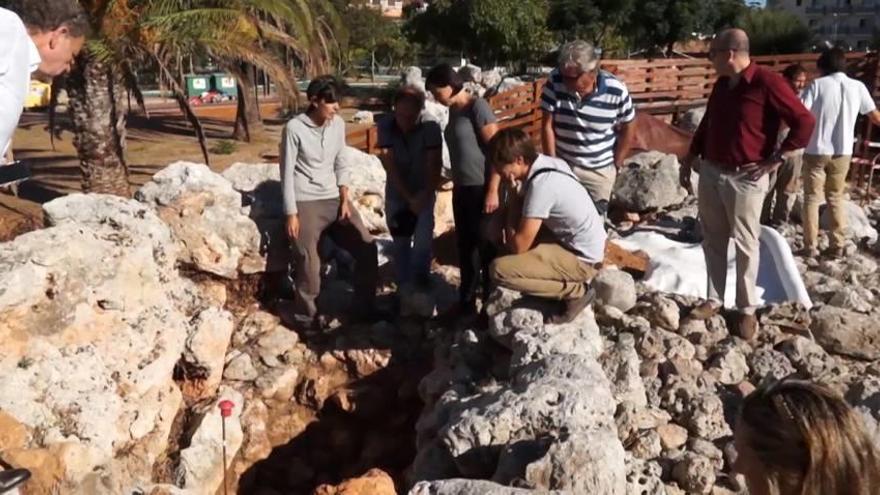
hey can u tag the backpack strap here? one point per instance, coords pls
(544, 171)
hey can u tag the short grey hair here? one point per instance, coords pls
(579, 53)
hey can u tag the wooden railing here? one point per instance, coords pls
(658, 86)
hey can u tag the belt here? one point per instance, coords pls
(726, 169)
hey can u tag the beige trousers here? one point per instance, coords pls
(730, 206)
(784, 185)
(547, 270)
(825, 175)
(599, 183)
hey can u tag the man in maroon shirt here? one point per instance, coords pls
(736, 145)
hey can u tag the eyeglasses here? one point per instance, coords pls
(715, 51)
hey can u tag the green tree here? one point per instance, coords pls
(591, 20)
(161, 34)
(373, 38)
(656, 25)
(492, 31)
(776, 32)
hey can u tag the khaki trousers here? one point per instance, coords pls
(825, 175)
(320, 217)
(548, 270)
(784, 185)
(730, 206)
(599, 182)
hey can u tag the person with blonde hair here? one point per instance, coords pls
(795, 437)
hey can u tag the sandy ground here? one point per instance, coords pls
(152, 144)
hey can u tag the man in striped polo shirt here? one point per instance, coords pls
(587, 119)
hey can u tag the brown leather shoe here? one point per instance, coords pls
(834, 253)
(746, 326)
(705, 310)
(572, 308)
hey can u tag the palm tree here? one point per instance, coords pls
(159, 33)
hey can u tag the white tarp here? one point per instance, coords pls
(680, 268)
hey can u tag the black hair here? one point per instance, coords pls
(324, 88)
(444, 75)
(831, 61)
(410, 94)
(49, 15)
(509, 144)
(792, 71)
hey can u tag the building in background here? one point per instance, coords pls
(853, 22)
(389, 8)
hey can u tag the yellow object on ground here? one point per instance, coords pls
(39, 95)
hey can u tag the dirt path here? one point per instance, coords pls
(151, 145)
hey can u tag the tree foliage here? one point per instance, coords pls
(776, 32)
(369, 36)
(489, 30)
(592, 20)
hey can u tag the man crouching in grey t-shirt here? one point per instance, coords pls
(554, 198)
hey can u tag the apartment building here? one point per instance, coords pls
(853, 22)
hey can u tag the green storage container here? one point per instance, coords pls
(224, 83)
(196, 84)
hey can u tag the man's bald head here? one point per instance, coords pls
(732, 39)
(729, 52)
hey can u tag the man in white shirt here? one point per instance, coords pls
(836, 101)
(42, 36)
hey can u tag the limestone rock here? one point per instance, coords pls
(240, 368)
(615, 288)
(845, 332)
(621, 365)
(471, 73)
(729, 366)
(805, 355)
(672, 436)
(206, 347)
(363, 117)
(491, 78)
(645, 445)
(412, 76)
(93, 320)
(201, 464)
(643, 477)
(253, 325)
(470, 487)
(373, 482)
(204, 213)
(695, 474)
(860, 301)
(648, 181)
(660, 311)
(858, 224)
(275, 344)
(691, 119)
(769, 363)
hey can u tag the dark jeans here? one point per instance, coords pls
(317, 218)
(475, 253)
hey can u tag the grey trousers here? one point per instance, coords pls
(317, 218)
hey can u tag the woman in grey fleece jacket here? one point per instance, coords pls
(315, 182)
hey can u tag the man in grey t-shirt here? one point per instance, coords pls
(554, 199)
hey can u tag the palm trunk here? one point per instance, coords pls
(97, 108)
(248, 121)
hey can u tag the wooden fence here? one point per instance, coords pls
(658, 86)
